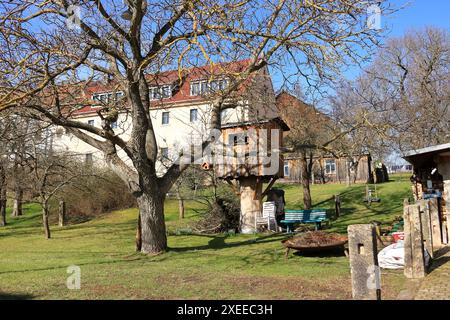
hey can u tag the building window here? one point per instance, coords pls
(195, 89)
(193, 115)
(165, 153)
(165, 118)
(236, 139)
(330, 166)
(108, 96)
(88, 159)
(161, 92)
(114, 125)
(166, 91)
(205, 86)
(119, 95)
(101, 97)
(223, 115)
(286, 168)
(91, 122)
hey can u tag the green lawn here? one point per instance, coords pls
(195, 267)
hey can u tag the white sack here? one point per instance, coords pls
(393, 256)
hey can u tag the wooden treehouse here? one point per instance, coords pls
(249, 155)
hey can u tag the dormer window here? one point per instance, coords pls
(201, 87)
(161, 92)
(106, 97)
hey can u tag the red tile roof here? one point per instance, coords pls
(180, 79)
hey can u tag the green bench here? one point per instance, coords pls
(293, 217)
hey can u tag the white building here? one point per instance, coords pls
(180, 108)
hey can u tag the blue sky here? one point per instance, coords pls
(415, 14)
(418, 14)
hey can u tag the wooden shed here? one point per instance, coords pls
(328, 169)
(431, 178)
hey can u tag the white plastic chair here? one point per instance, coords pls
(267, 217)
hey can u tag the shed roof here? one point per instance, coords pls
(441, 148)
(420, 157)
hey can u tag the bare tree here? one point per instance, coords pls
(125, 42)
(186, 186)
(406, 91)
(19, 133)
(50, 178)
(3, 180)
(51, 174)
(313, 134)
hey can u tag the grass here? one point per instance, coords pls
(195, 267)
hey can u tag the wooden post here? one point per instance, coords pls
(62, 213)
(362, 245)
(337, 205)
(407, 270)
(418, 248)
(139, 234)
(426, 226)
(446, 199)
(414, 248)
(435, 223)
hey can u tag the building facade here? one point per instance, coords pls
(330, 169)
(181, 108)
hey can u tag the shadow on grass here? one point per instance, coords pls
(439, 263)
(441, 259)
(332, 253)
(218, 242)
(24, 221)
(12, 296)
(130, 258)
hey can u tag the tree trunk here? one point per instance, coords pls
(348, 175)
(139, 234)
(153, 227)
(3, 212)
(2, 200)
(151, 235)
(322, 171)
(45, 220)
(62, 213)
(307, 203)
(2, 196)
(17, 206)
(250, 194)
(180, 206)
(355, 171)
